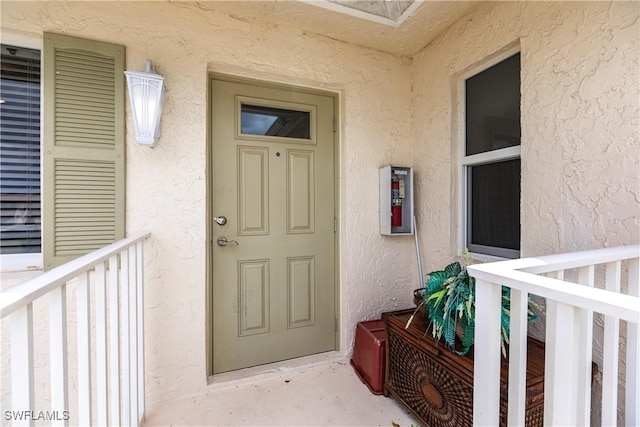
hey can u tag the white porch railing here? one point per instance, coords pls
(110, 371)
(568, 346)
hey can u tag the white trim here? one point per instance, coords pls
(492, 156)
(20, 262)
(459, 173)
(489, 61)
(408, 12)
(479, 258)
(356, 13)
(494, 252)
(28, 42)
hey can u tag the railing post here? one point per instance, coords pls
(486, 377)
(586, 276)
(133, 338)
(101, 344)
(126, 330)
(84, 350)
(22, 396)
(610, 352)
(58, 353)
(114, 342)
(517, 357)
(562, 365)
(632, 386)
(140, 311)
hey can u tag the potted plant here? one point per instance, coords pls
(449, 300)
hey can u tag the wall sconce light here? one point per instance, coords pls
(146, 93)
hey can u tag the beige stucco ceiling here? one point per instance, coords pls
(359, 23)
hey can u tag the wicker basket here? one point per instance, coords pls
(437, 385)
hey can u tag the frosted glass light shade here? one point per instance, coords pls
(146, 93)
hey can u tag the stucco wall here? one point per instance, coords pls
(580, 123)
(166, 186)
(580, 114)
(580, 138)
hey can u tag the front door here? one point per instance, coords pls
(274, 224)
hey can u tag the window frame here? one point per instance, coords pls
(488, 253)
(283, 105)
(27, 261)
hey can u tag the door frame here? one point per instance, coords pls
(209, 200)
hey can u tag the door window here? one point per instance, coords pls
(275, 120)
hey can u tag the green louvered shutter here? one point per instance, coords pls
(84, 153)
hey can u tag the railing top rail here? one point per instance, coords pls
(28, 291)
(521, 274)
(549, 263)
(622, 306)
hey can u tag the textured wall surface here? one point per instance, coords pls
(580, 139)
(580, 123)
(166, 185)
(580, 126)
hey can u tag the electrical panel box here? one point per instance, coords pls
(396, 200)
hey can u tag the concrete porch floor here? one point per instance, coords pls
(319, 394)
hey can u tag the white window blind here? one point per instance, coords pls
(20, 223)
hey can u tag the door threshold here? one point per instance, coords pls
(271, 370)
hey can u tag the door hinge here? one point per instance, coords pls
(335, 225)
(335, 324)
(335, 124)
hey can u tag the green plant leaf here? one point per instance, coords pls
(437, 296)
(453, 269)
(449, 298)
(450, 332)
(435, 281)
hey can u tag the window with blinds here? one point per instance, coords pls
(20, 224)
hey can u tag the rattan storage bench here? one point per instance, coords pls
(437, 385)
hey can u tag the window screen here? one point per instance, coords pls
(19, 150)
(495, 209)
(493, 107)
(492, 113)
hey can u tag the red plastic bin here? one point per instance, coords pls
(369, 354)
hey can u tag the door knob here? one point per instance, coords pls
(223, 241)
(221, 220)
